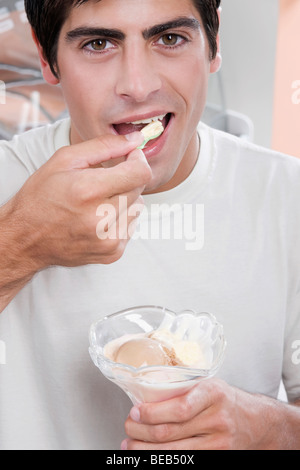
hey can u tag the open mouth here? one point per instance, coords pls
(129, 127)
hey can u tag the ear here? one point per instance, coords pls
(46, 69)
(216, 63)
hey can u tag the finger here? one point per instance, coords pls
(119, 221)
(98, 150)
(127, 222)
(122, 207)
(178, 409)
(167, 432)
(184, 444)
(101, 184)
(123, 202)
(129, 175)
(205, 442)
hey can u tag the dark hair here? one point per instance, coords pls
(48, 16)
(208, 12)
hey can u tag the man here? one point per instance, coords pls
(121, 63)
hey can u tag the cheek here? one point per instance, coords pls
(77, 83)
(198, 87)
(77, 92)
(191, 82)
(84, 97)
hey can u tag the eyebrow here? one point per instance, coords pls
(83, 31)
(180, 22)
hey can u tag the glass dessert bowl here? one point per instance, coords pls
(154, 354)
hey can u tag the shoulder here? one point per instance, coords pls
(252, 159)
(34, 147)
(26, 153)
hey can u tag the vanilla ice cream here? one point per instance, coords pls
(154, 354)
(158, 348)
(152, 130)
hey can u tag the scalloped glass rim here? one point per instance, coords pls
(100, 359)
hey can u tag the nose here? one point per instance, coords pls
(138, 77)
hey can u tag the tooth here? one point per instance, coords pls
(143, 121)
(148, 121)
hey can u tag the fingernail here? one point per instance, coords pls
(124, 445)
(134, 137)
(135, 414)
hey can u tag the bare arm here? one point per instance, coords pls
(53, 219)
(17, 267)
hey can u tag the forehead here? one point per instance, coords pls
(133, 13)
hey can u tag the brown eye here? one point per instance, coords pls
(99, 44)
(170, 39)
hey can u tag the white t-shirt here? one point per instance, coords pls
(242, 266)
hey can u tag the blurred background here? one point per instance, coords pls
(25, 100)
(255, 96)
(260, 75)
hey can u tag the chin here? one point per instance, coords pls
(156, 186)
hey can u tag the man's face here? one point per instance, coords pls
(122, 62)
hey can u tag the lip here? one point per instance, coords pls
(140, 117)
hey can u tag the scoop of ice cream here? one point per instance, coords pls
(142, 352)
(158, 348)
(186, 352)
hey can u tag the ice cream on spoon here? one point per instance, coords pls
(151, 132)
